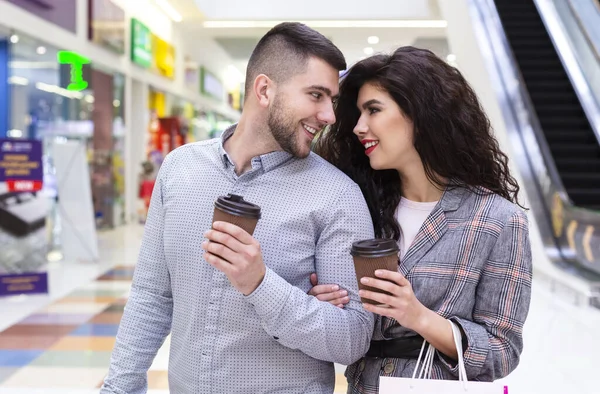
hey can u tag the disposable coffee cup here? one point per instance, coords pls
(369, 256)
(235, 210)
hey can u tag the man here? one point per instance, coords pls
(243, 322)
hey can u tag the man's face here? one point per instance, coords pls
(303, 106)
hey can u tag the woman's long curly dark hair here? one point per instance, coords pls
(452, 134)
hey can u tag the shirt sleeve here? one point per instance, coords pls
(495, 336)
(300, 321)
(147, 316)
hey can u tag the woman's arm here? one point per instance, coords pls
(495, 334)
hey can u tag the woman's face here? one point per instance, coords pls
(384, 130)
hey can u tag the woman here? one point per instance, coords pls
(411, 132)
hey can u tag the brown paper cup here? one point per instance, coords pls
(248, 224)
(366, 267)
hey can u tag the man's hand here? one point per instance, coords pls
(237, 254)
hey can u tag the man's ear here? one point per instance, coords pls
(263, 90)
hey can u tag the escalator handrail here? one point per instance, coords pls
(588, 99)
(587, 16)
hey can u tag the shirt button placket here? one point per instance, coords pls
(210, 326)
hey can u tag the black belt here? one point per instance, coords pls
(408, 347)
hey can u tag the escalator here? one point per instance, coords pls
(570, 138)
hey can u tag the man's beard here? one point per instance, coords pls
(284, 130)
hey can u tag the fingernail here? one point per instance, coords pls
(346, 299)
(335, 287)
(344, 293)
(379, 272)
(361, 293)
(364, 280)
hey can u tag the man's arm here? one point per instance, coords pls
(300, 321)
(146, 320)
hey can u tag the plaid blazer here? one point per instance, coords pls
(470, 263)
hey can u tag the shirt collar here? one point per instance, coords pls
(267, 161)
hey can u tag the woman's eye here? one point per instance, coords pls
(373, 110)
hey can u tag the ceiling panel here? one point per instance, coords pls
(316, 9)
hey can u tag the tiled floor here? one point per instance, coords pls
(74, 336)
(61, 343)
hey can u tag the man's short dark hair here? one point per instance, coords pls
(285, 50)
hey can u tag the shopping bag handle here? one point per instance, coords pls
(426, 366)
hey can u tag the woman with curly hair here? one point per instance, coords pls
(412, 134)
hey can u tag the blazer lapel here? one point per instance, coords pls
(434, 227)
(431, 231)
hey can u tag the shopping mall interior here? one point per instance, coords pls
(101, 91)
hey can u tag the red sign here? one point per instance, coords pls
(23, 186)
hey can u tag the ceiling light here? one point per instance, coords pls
(116, 103)
(32, 65)
(368, 51)
(373, 40)
(14, 80)
(451, 58)
(169, 10)
(14, 38)
(89, 99)
(41, 50)
(14, 133)
(331, 24)
(58, 90)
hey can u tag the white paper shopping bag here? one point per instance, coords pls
(421, 384)
(389, 385)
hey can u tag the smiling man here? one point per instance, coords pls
(236, 304)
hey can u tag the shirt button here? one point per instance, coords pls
(389, 368)
(361, 366)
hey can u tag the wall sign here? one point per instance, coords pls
(141, 44)
(76, 61)
(210, 85)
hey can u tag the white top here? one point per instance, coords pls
(411, 215)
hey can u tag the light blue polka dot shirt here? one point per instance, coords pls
(276, 340)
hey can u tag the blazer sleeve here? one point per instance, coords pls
(494, 337)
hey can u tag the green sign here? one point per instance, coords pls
(141, 44)
(210, 85)
(76, 61)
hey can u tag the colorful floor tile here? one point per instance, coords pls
(107, 318)
(18, 358)
(97, 344)
(39, 330)
(74, 337)
(6, 372)
(115, 308)
(73, 359)
(77, 308)
(27, 342)
(58, 319)
(100, 330)
(42, 377)
(158, 379)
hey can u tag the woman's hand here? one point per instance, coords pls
(328, 293)
(402, 305)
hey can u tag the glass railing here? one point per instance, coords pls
(574, 27)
